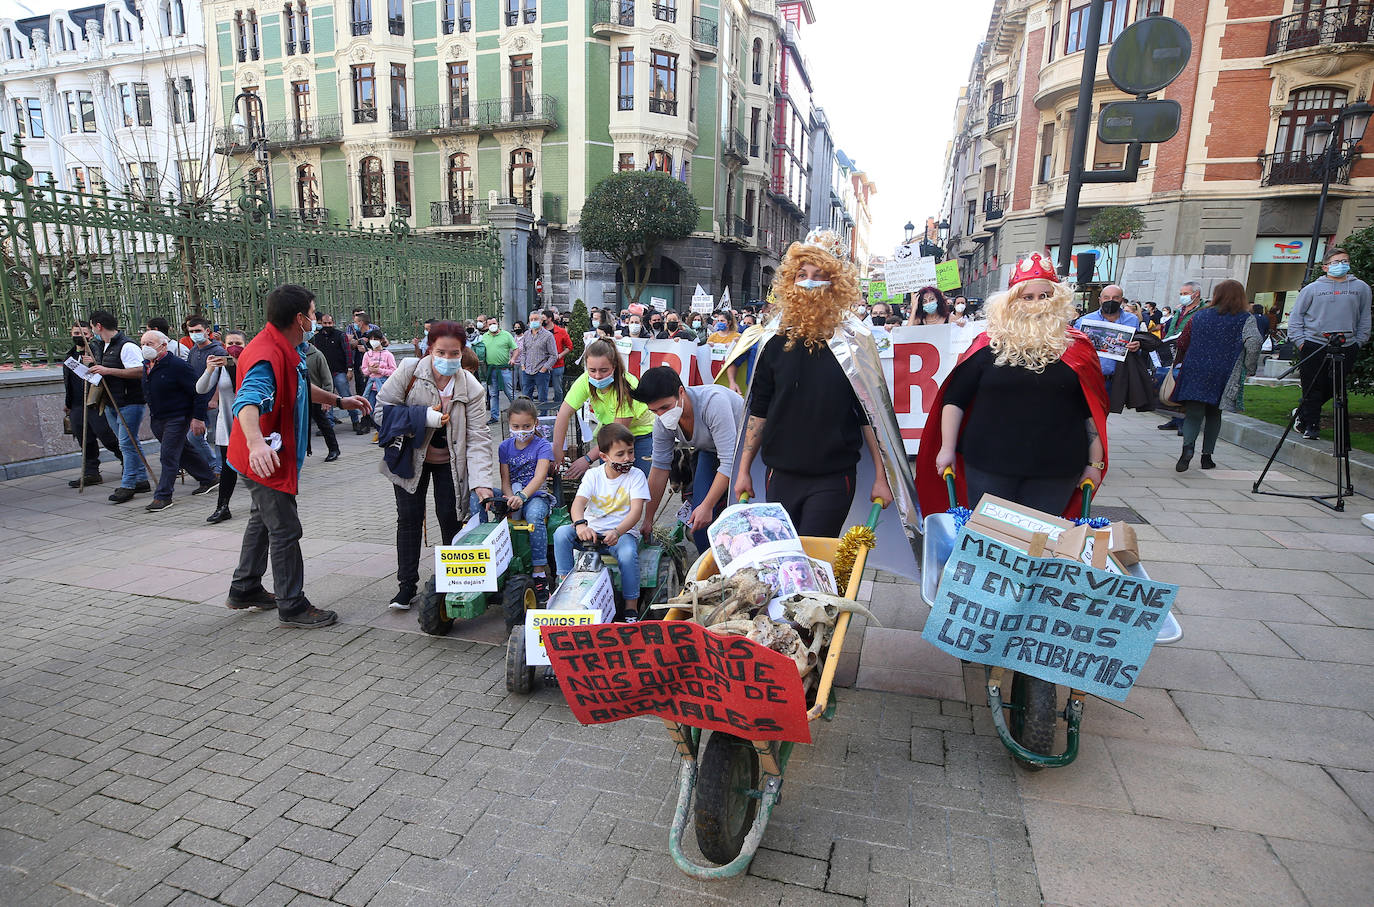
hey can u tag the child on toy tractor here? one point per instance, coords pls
(609, 504)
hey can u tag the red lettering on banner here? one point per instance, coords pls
(672, 360)
(923, 377)
(635, 359)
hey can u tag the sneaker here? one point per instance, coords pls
(1311, 434)
(1167, 426)
(309, 619)
(90, 480)
(142, 487)
(399, 605)
(631, 617)
(541, 586)
(493, 420)
(121, 495)
(159, 504)
(261, 599)
(206, 487)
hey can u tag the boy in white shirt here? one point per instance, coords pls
(609, 503)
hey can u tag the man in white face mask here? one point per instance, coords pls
(708, 419)
(169, 385)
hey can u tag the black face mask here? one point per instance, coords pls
(1111, 306)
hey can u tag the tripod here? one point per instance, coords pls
(1333, 350)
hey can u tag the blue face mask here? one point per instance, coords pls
(447, 366)
(1339, 269)
(601, 383)
(930, 307)
(813, 284)
(721, 325)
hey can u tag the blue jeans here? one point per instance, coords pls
(556, 383)
(535, 512)
(703, 476)
(535, 381)
(201, 445)
(343, 390)
(374, 384)
(500, 379)
(134, 472)
(177, 454)
(626, 553)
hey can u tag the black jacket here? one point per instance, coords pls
(73, 387)
(170, 387)
(1133, 385)
(125, 391)
(334, 345)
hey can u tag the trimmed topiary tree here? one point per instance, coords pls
(630, 215)
(579, 323)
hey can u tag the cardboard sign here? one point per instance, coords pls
(682, 672)
(1109, 337)
(1062, 621)
(659, 303)
(878, 292)
(535, 618)
(586, 591)
(908, 272)
(476, 563)
(947, 276)
(704, 303)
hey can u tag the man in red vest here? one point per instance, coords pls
(271, 415)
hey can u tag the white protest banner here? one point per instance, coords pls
(477, 562)
(1109, 337)
(703, 301)
(908, 272)
(536, 618)
(725, 298)
(659, 303)
(922, 358)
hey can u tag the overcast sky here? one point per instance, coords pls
(888, 73)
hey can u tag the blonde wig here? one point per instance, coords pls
(811, 316)
(1030, 335)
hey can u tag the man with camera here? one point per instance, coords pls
(1332, 315)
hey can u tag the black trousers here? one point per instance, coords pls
(1317, 389)
(228, 478)
(274, 529)
(325, 426)
(97, 434)
(410, 522)
(1048, 494)
(818, 505)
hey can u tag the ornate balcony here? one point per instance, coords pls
(1003, 113)
(325, 130)
(663, 106)
(362, 27)
(733, 144)
(612, 17)
(521, 110)
(315, 215)
(994, 207)
(454, 213)
(1294, 168)
(1317, 29)
(704, 36)
(665, 13)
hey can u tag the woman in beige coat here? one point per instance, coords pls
(453, 451)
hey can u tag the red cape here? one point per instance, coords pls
(1081, 356)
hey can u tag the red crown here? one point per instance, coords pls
(1033, 268)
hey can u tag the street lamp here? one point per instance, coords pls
(253, 125)
(1329, 156)
(910, 230)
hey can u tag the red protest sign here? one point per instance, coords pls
(682, 672)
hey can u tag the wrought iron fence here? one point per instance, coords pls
(67, 253)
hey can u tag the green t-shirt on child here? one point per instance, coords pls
(604, 405)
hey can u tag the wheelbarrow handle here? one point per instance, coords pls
(874, 513)
(948, 473)
(1087, 487)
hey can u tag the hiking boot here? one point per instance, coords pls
(142, 487)
(159, 504)
(1184, 459)
(90, 480)
(261, 599)
(309, 619)
(206, 487)
(1208, 462)
(122, 495)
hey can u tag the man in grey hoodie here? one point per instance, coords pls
(1335, 304)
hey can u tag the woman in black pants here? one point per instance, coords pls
(220, 373)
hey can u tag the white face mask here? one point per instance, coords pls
(493, 328)
(523, 434)
(813, 284)
(634, 328)
(670, 419)
(149, 353)
(959, 307)
(375, 344)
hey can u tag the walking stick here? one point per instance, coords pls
(85, 433)
(132, 437)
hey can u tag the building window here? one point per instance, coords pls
(372, 187)
(253, 128)
(971, 217)
(300, 107)
(625, 97)
(460, 180)
(522, 177)
(464, 15)
(757, 62)
(518, 11)
(240, 35)
(401, 176)
(143, 179)
(364, 93)
(665, 10)
(749, 202)
(307, 192)
(627, 161)
(173, 18)
(304, 15)
(399, 113)
(362, 17)
(1149, 8)
(289, 31)
(179, 91)
(143, 104)
(663, 83)
(692, 96)
(254, 39)
(396, 17)
(458, 93)
(754, 132)
(30, 118)
(1068, 137)
(189, 179)
(1046, 153)
(1305, 108)
(522, 85)
(1107, 157)
(661, 161)
(1076, 31)
(450, 16)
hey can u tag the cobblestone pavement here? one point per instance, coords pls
(158, 748)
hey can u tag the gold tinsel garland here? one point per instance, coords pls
(847, 551)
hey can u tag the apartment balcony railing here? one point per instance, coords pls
(447, 25)
(704, 35)
(1352, 23)
(314, 215)
(364, 114)
(663, 106)
(322, 130)
(1294, 168)
(454, 213)
(478, 116)
(396, 25)
(515, 16)
(665, 13)
(625, 102)
(734, 144)
(362, 27)
(1003, 113)
(612, 15)
(994, 206)
(743, 229)
(241, 54)
(434, 118)
(372, 210)
(520, 110)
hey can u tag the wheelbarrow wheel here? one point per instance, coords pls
(433, 618)
(1032, 721)
(728, 772)
(519, 675)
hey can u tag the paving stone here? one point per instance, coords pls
(314, 877)
(1339, 738)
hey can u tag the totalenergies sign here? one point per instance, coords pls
(1284, 249)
